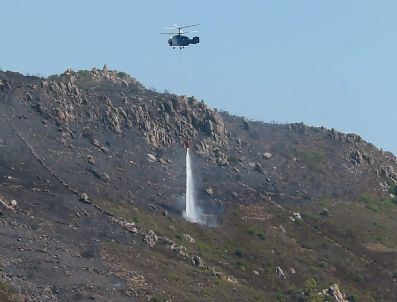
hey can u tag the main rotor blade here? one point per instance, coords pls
(189, 26)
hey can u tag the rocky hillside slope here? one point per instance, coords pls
(92, 183)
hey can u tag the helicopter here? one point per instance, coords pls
(180, 40)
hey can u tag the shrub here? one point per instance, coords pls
(242, 264)
(122, 74)
(310, 285)
(261, 236)
(313, 159)
(233, 159)
(351, 299)
(281, 298)
(90, 252)
(83, 73)
(392, 187)
(366, 199)
(324, 264)
(324, 212)
(251, 231)
(254, 232)
(238, 253)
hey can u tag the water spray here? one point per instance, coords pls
(191, 210)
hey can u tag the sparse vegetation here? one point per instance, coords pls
(233, 159)
(314, 160)
(83, 73)
(122, 74)
(255, 232)
(8, 293)
(351, 299)
(392, 187)
(367, 199)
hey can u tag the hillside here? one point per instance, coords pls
(92, 168)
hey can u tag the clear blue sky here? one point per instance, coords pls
(330, 63)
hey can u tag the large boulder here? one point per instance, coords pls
(150, 238)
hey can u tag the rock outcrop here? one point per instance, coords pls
(70, 99)
(334, 292)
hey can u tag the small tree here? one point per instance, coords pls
(311, 291)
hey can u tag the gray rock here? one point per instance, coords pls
(266, 155)
(91, 160)
(221, 158)
(209, 191)
(335, 292)
(180, 250)
(280, 274)
(162, 161)
(105, 177)
(152, 207)
(196, 260)
(124, 84)
(130, 226)
(258, 167)
(13, 203)
(150, 238)
(296, 215)
(84, 198)
(188, 238)
(151, 158)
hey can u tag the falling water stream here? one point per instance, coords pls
(191, 210)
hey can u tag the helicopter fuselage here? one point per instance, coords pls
(181, 41)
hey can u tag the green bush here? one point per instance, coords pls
(392, 187)
(122, 74)
(83, 73)
(281, 298)
(367, 199)
(310, 286)
(351, 299)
